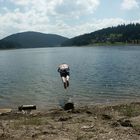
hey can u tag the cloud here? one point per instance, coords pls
(45, 16)
(77, 8)
(129, 4)
(64, 17)
(18, 22)
(60, 7)
(30, 21)
(96, 24)
(90, 26)
(21, 2)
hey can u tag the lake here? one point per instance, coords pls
(97, 75)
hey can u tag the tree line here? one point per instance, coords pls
(125, 34)
(8, 44)
(121, 34)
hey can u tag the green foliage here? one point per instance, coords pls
(8, 44)
(31, 40)
(131, 110)
(36, 121)
(123, 34)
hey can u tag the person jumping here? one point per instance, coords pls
(64, 69)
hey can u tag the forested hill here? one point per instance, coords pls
(122, 34)
(31, 40)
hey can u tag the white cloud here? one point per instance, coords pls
(63, 17)
(18, 21)
(42, 5)
(93, 25)
(45, 16)
(30, 21)
(96, 24)
(60, 7)
(129, 4)
(21, 2)
(77, 8)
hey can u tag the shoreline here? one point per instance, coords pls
(77, 104)
(115, 121)
(89, 45)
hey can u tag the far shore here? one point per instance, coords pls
(89, 45)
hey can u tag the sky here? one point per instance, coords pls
(68, 18)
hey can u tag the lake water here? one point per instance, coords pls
(98, 75)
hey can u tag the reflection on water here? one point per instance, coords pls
(98, 74)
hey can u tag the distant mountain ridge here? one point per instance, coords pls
(31, 40)
(122, 34)
(119, 35)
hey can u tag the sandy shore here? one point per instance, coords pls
(98, 122)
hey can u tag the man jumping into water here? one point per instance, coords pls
(64, 69)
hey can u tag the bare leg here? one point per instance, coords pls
(64, 82)
(67, 80)
(65, 85)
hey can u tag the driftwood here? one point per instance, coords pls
(27, 108)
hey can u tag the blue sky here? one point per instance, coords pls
(65, 17)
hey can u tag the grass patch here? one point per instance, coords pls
(131, 110)
(36, 121)
(137, 128)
